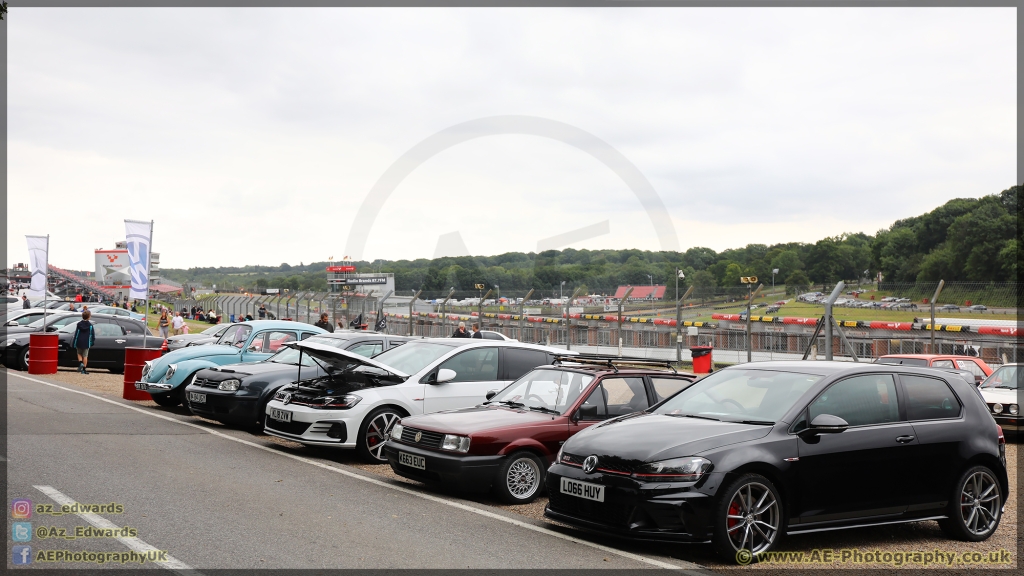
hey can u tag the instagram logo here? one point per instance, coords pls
(21, 508)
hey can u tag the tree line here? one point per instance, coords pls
(968, 239)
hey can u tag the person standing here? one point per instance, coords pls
(324, 323)
(178, 323)
(84, 338)
(24, 302)
(78, 297)
(461, 332)
(164, 323)
(262, 313)
(476, 331)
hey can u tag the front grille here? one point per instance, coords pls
(206, 382)
(294, 428)
(608, 465)
(609, 513)
(427, 440)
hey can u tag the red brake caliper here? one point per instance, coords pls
(734, 510)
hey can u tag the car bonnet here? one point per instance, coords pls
(341, 359)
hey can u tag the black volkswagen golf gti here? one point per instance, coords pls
(756, 451)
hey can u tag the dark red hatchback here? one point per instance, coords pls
(507, 443)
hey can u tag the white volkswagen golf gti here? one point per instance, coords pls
(359, 400)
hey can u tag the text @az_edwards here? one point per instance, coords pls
(83, 532)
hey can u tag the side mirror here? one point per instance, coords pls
(51, 328)
(587, 413)
(12, 323)
(490, 394)
(827, 424)
(445, 375)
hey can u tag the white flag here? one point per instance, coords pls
(37, 263)
(138, 236)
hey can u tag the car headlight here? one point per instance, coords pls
(396, 432)
(688, 469)
(229, 385)
(170, 370)
(340, 402)
(455, 443)
(1014, 409)
(146, 369)
(997, 408)
(558, 457)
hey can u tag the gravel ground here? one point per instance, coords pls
(922, 536)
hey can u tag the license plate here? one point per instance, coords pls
(280, 415)
(197, 398)
(585, 490)
(141, 386)
(412, 461)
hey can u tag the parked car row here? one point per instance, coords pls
(738, 458)
(112, 335)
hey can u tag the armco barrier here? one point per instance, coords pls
(42, 353)
(134, 360)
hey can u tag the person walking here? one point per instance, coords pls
(461, 332)
(476, 331)
(164, 323)
(84, 338)
(262, 313)
(24, 302)
(324, 323)
(177, 323)
(78, 297)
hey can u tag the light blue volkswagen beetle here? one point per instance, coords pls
(167, 377)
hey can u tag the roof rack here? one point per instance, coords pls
(611, 361)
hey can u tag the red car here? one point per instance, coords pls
(507, 443)
(975, 366)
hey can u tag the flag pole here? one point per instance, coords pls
(45, 274)
(149, 266)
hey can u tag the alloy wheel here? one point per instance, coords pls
(979, 503)
(377, 433)
(523, 478)
(752, 521)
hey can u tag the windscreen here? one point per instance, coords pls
(738, 395)
(552, 389)
(413, 357)
(1006, 378)
(235, 335)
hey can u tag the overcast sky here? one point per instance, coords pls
(252, 136)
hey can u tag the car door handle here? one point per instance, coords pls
(120, 341)
(904, 439)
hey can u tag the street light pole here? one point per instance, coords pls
(774, 272)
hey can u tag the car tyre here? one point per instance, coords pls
(520, 479)
(374, 432)
(23, 359)
(261, 415)
(168, 400)
(748, 519)
(975, 507)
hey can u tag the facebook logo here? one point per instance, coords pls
(21, 555)
(21, 531)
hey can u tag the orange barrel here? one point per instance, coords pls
(42, 353)
(134, 360)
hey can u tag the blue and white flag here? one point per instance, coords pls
(38, 246)
(138, 237)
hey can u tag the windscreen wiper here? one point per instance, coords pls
(694, 416)
(544, 409)
(756, 422)
(511, 403)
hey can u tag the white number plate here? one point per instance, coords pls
(281, 415)
(197, 398)
(579, 489)
(141, 386)
(412, 461)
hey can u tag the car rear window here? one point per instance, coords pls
(929, 398)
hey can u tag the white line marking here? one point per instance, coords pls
(98, 521)
(459, 505)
